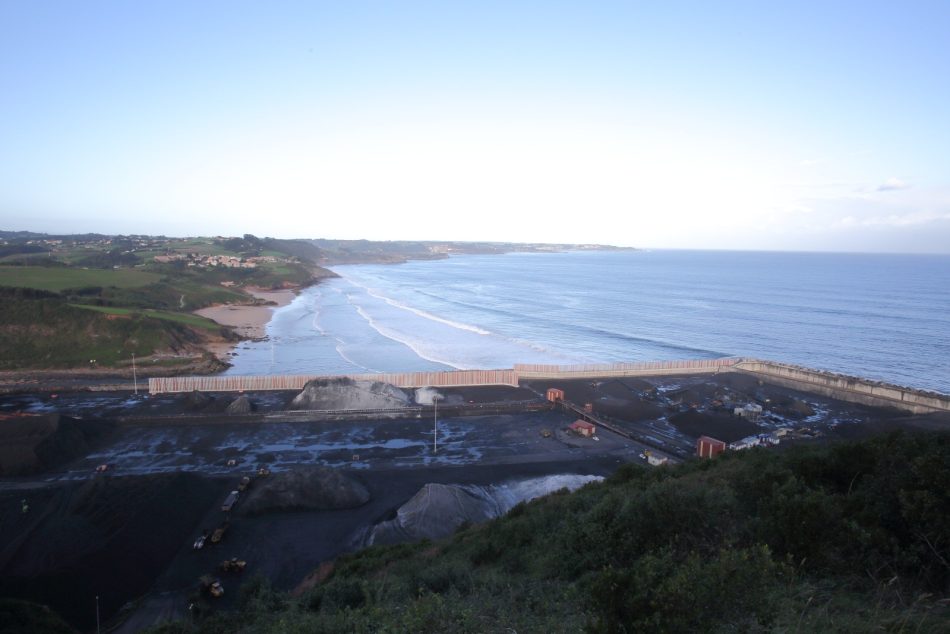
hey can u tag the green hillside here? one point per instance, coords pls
(49, 333)
(849, 538)
(144, 289)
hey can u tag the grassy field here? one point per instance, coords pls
(60, 278)
(182, 318)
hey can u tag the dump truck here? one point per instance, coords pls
(219, 532)
(211, 586)
(200, 542)
(230, 501)
(233, 565)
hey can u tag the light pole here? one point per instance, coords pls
(135, 380)
(435, 424)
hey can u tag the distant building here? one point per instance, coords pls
(707, 447)
(583, 428)
(554, 395)
(746, 443)
(751, 412)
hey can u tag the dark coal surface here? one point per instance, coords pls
(310, 488)
(106, 536)
(33, 444)
(721, 426)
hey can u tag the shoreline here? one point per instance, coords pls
(248, 320)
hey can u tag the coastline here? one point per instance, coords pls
(247, 320)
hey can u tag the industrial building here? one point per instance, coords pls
(708, 447)
(582, 428)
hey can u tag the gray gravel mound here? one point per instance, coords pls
(240, 405)
(436, 511)
(345, 393)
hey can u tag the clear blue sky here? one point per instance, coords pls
(817, 125)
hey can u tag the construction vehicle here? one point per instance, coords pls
(200, 542)
(245, 482)
(102, 468)
(545, 433)
(230, 501)
(219, 532)
(263, 471)
(211, 586)
(233, 565)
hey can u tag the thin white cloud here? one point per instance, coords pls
(892, 184)
(894, 220)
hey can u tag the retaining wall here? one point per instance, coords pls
(846, 388)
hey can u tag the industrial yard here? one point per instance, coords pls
(120, 514)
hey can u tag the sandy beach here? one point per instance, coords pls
(247, 320)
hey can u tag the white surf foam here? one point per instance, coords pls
(377, 294)
(406, 341)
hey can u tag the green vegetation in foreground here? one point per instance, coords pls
(18, 616)
(846, 538)
(183, 318)
(61, 278)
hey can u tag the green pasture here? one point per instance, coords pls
(195, 321)
(60, 278)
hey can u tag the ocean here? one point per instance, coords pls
(883, 317)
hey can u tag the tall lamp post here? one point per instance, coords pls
(135, 380)
(435, 424)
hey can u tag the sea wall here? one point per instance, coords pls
(845, 388)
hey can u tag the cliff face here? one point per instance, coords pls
(344, 393)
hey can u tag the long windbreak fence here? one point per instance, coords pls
(452, 378)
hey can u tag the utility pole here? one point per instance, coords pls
(435, 425)
(97, 614)
(135, 380)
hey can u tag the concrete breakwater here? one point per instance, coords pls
(846, 388)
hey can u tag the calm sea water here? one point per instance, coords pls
(878, 316)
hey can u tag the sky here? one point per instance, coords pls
(720, 125)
